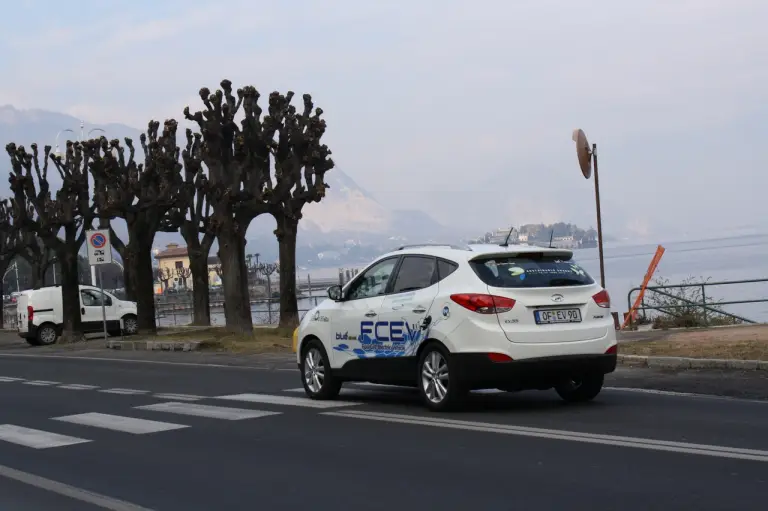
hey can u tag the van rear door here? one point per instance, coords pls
(21, 313)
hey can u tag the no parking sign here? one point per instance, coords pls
(99, 247)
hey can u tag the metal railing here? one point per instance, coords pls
(704, 305)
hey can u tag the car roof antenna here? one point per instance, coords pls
(551, 234)
(506, 240)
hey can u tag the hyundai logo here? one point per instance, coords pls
(557, 298)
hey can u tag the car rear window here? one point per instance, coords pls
(530, 271)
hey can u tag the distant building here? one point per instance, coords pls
(564, 242)
(175, 258)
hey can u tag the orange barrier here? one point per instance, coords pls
(632, 314)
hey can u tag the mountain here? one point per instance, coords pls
(348, 225)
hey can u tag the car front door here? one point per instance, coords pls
(353, 323)
(406, 308)
(90, 308)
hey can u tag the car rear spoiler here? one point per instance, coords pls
(565, 255)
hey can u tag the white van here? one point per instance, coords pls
(41, 320)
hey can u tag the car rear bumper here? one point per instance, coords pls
(31, 332)
(477, 371)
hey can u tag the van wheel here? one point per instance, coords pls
(316, 374)
(580, 389)
(439, 386)
(46, 335)
(130, 325)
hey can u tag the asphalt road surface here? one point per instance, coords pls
(89, 434)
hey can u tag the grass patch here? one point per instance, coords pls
(744, 349)
(218, 339)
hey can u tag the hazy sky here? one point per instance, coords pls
(461, 108)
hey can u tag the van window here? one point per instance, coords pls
(534, 270)
(93, 298)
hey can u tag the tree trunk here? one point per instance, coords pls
(37, 273)
(198, 263)
(143, 284)
(237, 310)
(286, 237)
(70, 294)
(3, 268)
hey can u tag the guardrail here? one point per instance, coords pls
(704, 305)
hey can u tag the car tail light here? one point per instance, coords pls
(484, 304)
(30, 313)
(613, 350)
(602, 299)
(499, 357)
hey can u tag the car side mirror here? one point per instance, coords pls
(334, 293)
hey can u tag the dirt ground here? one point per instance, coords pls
(739, 342)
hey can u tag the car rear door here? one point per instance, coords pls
(556, 300)
(405, 313)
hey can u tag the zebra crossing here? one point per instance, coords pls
(171, 412)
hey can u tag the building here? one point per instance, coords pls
(174, 263)
(564, 242)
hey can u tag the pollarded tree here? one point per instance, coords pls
(192, 219)
(301, 161)
(142, 194)
(10, 242)
(38, 255)
(237, 161)
(69, 214)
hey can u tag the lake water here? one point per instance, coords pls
(738, 258)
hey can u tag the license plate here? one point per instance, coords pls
(557, 316)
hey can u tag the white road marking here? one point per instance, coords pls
(140, 361)
(554, 434)
(119, 423)
(36, 438)
(683, 394)
(212, 412)
(126, 392)
(286, 400)
(8, 379)
(77, 386)
(66, 490)
(178, 397)
(41, 383)
(299, 390)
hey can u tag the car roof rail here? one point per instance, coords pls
(448, 245)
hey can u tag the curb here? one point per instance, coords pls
(691, 363)
(154, 345)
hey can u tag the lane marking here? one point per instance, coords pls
(286, 400)
(66, 490)
(119, 423)
(554, 434)
(139, 361)
(671, 393)
(211, 412)
(36, 438)
(126, 392)
(77, 386)
(41, 383)
(179, 397)
(8, 379)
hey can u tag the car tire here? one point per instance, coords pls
(130, 324)
(438, 382)
(316, 374)
(580, 389)
(47, 335)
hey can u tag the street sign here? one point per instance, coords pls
(99, 247)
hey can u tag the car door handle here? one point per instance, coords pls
(419, 310)
(370, 314)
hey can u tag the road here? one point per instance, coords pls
(89, 434)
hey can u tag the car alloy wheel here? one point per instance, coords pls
(314, 370)
(435, 377)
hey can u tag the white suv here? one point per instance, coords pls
(450, 319)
